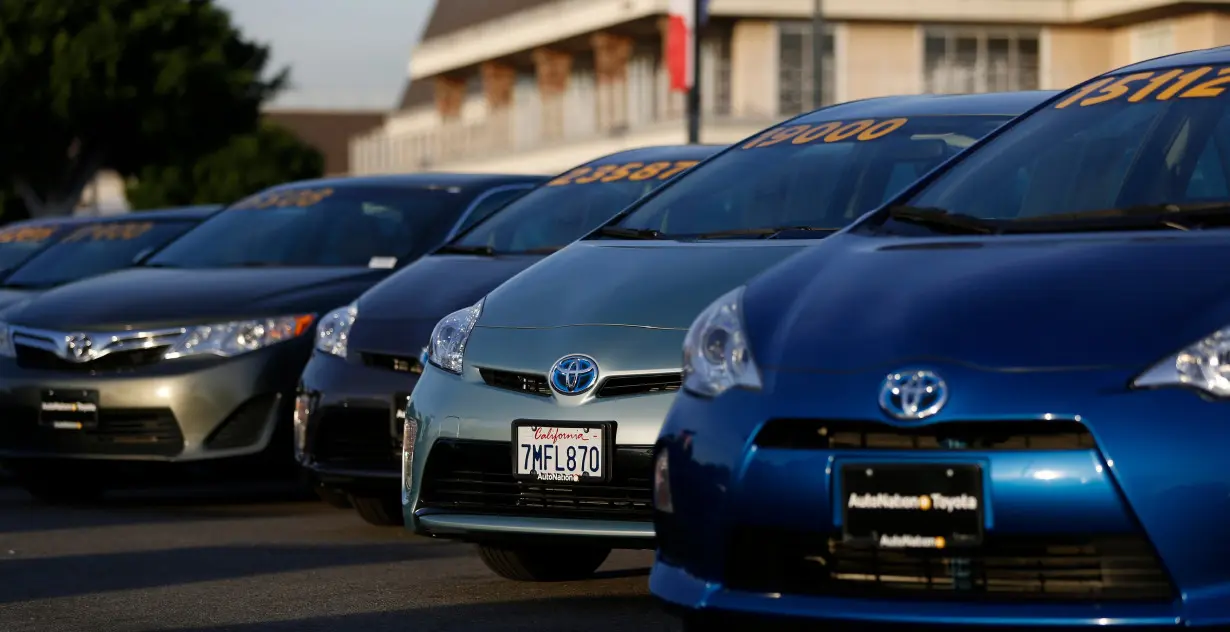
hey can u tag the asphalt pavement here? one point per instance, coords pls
(247, 560)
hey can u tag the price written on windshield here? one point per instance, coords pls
(1204, 82)
(26, 234)
(301, 198)
(830, 132)
(110, 232)
(631, 171)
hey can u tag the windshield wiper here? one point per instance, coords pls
(1177, 216)
(485, 251)
(156, 265)
(545, 250)
(764, 233)
(943, 221)
(631, 233)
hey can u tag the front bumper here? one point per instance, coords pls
(461, 483)
(351, 436)
(1103, 506)
(188, 410)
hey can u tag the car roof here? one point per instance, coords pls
(465, 181)
(989, 103)
(1218, 55)
(698, 151)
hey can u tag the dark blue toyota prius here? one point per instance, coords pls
(998, 400)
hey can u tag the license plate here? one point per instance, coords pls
(69, 409)
(551, 451)
(400, 401)
(921, 506)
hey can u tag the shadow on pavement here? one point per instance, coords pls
(47, 578)
(559, 614)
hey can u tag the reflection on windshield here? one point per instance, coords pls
(1143, 149)
(805, 175)
(96, 248)
(18, 243)
(567, 207)
(339, 226)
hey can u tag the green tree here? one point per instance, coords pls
(119, 84)
(251, 162)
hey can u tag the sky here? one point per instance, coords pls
(342, 54)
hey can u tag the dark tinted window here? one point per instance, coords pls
(19, 243)
(94, 249)
(344, 226)
(571, 205)
(490, 203)
(821, 175)
(1142, 139)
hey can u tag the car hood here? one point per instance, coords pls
(638, 283)
(1042, 302)
(11, 296)
(154, 297)
(396, 316)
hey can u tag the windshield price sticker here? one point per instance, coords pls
(631, 171)
(301, 198)
(110, 232)
(1205, 82)
(830, 132)
(26, 234)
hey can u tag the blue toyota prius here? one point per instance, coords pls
(999, 400)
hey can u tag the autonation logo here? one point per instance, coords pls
(912, 542)
(925, 502)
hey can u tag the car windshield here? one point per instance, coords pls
(567, 207)
(819, 175)
(342, 226)
(1141, 150)
(19, 243)
(96, 248)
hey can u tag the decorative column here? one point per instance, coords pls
(552, 69)
(499, 81)
(611, 55)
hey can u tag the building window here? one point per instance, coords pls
(795, 74)
(1152, 40)
(980, 60)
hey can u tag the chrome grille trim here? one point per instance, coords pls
(103, 343)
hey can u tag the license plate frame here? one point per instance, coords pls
(945, 528)
(54, 411)
(607, 449)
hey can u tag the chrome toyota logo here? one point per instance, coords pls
(912, 395)
(78, 347)
(574, 374)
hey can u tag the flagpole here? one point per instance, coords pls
(694, 90)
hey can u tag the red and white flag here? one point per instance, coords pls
(681, 28)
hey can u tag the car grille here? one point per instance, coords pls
(613, 386)
(464, 475)
(41, 359)
(361, 438)
(401, 364)
(146, 432)
(815, 434)
(1008, 568)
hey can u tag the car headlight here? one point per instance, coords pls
(447, 346)
(6, 342)
(716, 356)
(333, 332)
(238, 337)
(1204, 366)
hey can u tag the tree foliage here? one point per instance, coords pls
(119, 84)
(251, 162)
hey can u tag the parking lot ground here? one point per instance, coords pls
(246, 560)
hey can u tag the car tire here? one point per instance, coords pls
(542, 564)
(382, 511)
(333, 498)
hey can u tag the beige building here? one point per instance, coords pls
(540, 85)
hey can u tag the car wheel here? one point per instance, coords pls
(333, 498)
(382, 511)
(542, 564)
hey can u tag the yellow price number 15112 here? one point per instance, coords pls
(1205, 82)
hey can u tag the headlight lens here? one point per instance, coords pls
(447, 347)
(6, 342)
(238, 337)
(1204, 365)
(716, 356)
(333, 332)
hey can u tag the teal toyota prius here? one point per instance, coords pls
(530, 431)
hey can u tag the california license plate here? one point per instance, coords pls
(561, 452)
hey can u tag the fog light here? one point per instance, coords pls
(409, 433)
(662, 483)
(303, 408)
